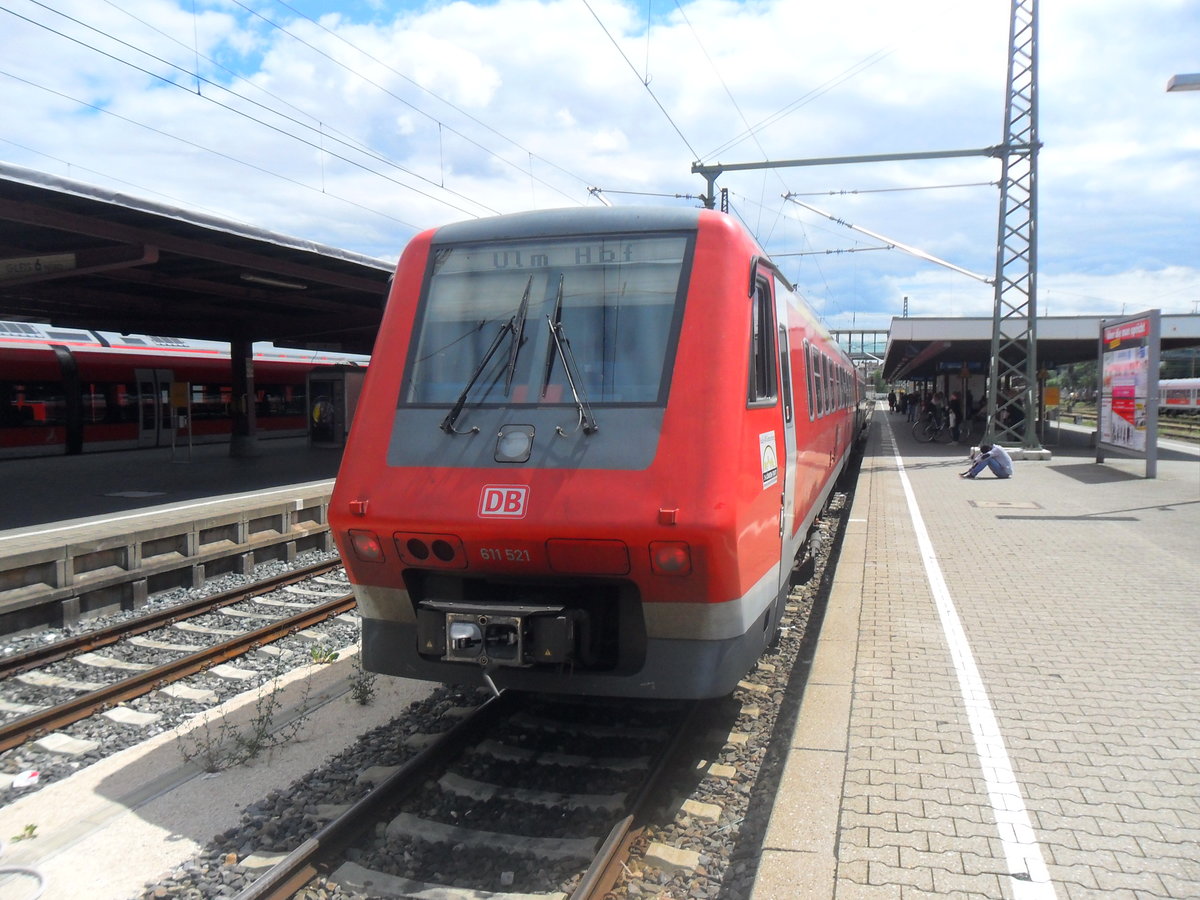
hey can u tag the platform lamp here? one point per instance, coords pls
(1184, 83)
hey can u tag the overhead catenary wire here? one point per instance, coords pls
(193, 144)
(802, 100)
(833, 252)
(416, 84)
(920, 254)
(645, 82)
(856, 191)
(316, 145)
(322, 131)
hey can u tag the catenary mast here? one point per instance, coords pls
(1013, 369)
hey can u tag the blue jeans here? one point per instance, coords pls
(987, 462)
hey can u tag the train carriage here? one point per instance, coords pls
(589, 448)
(1179, 395)
(73, 390)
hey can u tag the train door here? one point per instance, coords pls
(154, 406)
(787, 466)
(72, 400)
(332, 398)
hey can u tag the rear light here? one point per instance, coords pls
(670, 558)
(431, 551)
(367, 546)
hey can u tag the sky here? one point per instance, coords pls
(358, 124)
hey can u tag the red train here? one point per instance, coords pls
(71, 390)
(589, 448)
(1177, 396)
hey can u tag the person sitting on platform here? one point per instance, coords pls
(990, 456)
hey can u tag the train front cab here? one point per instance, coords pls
(717, 470)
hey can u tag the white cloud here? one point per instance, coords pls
(397, 116)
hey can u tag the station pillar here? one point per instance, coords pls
(243, 441)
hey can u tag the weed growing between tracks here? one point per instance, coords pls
(362, 684)
(228, 744)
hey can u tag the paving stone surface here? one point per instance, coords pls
(1076, 589)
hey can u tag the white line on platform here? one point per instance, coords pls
(90, 523)
(1028, 875)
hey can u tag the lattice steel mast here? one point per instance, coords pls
(1013, 370)
(1012, 389)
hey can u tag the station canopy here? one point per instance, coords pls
(73, 254)
(925, 348)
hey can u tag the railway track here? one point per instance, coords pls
(330, 832)
(49, 689)
(1180, 428)
(102, 637)
(525, 795)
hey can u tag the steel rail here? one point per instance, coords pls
(20, 730)
(304, 863)
(301, 865)
(601, 876)
(101, 637)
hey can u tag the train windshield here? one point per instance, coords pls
(491, 310)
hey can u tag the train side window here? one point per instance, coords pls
(40, 403)
(822, 385)
(764, 383)
(819, 376)
(785, 373)
(808, 369)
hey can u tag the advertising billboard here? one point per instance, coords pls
(1127, 408)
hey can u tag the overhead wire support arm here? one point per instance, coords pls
(712, 172)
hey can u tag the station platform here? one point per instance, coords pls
(60, 490)
(1004, 699)
(96, 533)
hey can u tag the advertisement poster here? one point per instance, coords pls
(1127, 412)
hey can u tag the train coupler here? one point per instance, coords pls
(492, 636)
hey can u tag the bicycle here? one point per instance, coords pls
(931, 427)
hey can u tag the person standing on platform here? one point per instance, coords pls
(991, 456)
(955, 411)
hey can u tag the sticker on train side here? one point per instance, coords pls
(769, 458)
(504, 501)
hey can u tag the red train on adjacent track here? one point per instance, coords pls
(72, 390)
(588, 453)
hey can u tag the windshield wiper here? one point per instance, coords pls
(518, 324)
(514, 326)
(562, 348)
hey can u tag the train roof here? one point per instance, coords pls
(580, 220)
(34, 335)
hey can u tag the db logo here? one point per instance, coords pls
(508, 501)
